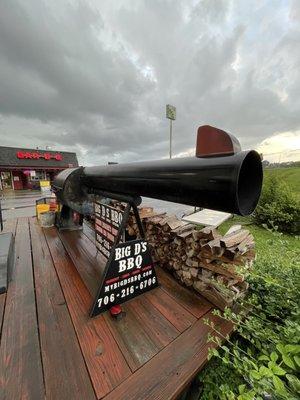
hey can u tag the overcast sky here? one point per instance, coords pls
(94, 76)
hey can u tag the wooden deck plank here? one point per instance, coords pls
(142, 333)
(167, 374)
(194, 303)
(8, 226)
(134, 333)
(156, 324)
(84, 255)
(20, 358)
(65, 373)
(89, 232)
(172, 310)
(105, 362)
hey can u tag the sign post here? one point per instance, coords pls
(171, 115)
(129, 269)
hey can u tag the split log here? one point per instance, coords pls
(232, 229)
(234, 238)
(208, 234)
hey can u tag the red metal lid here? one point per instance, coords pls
(213, 142)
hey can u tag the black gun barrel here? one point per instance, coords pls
(225, 183)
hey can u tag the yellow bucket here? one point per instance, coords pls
(40, 208)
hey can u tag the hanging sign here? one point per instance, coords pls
(35, 155)
(107, 223)
(128, 273)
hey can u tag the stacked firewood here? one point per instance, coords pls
(203, 259)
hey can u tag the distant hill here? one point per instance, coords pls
(290, 175)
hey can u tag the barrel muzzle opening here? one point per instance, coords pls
(249, 183)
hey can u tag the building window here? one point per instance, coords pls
(6, 182)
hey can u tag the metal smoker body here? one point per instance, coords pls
(225, 180)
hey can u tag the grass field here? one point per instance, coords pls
(290, 175)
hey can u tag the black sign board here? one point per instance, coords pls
(129, 270)
(130, 273)
(107, 223)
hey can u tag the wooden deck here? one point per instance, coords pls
(51, 349)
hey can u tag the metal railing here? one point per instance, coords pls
(7, 208)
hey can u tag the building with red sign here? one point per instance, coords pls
(25, 168)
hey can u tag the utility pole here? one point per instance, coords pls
(171, 115)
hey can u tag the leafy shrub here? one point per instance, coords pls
(262, 358)
(218, 378)
(278, 207)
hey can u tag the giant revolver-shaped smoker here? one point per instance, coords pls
(220, 177)
(230, 181)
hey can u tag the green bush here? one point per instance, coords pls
(278, 207)
(217, 380)
(261, 360)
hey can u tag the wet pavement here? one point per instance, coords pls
(19, 203)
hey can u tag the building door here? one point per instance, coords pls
(6, 180)
(17, 178)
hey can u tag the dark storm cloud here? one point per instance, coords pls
(94, 77)
(60, 64)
